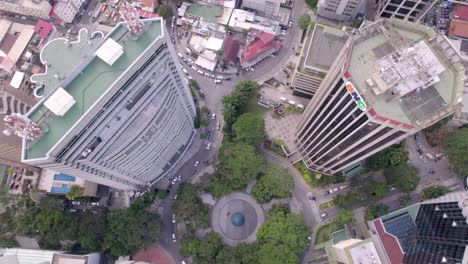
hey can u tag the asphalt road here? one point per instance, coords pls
(213, 95)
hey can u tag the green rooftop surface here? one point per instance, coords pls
(363, 63)
(210, 13)
(88, 86)
(339, 235)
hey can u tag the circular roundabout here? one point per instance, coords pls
(237, 218)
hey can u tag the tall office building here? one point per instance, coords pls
(409, 10)
(434, 231)
(67, 9)
(392, 80)
(115, 111)
(341, 10)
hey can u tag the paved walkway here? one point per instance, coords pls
(228, 206)
(154, 255)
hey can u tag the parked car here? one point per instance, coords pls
(217, 81)
(324, 215)
(196, 163)
(173, 238)
(217, 126)
(208, 146)
(213, 116)
(173, 219)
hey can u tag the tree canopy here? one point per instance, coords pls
(74, 192)
(233, 103)
(304, 21)
(249, 128)
(456, 146)
(165, 11)
(283, 228)
(276, 182)
(433, 192)
(376, 210)
(344, 217)
(403, 177)
(389, 157)
(311, 3)
(189, 208)
(239, 164)
(271, 253)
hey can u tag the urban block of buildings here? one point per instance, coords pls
(29, 8)
(66, 10)
(116, 112)
(408, 10)
(391, 80)
(340, 10)
(434, 231)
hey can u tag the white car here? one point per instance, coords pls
(208, 146)
(175, 196)
(200, 72)
(213, 116)
(173, 238)
(217, 126)
(196, 163)
(343, 187)
(174, 181)
(194, 68)
(207, 74)
(323, 215)
(335, 189)
(217, 81)
(179, 177)
(173, 219)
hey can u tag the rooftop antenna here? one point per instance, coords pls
(131, 19)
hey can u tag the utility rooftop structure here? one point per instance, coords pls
(124, 115)
(391, 80)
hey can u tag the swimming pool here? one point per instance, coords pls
(64, 189)
(64, 177)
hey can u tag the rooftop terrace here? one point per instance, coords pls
(84, 76)
(421, 106)
(325, 44)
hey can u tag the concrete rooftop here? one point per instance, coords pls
(325, 44)
(84, 76)
(420, 107)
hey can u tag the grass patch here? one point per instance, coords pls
(253, 107)
(324, 233)
(326, 205)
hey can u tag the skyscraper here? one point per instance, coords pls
(434, 231)
(392, 80)
(115, 111)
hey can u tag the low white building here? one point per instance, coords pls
(31, 8)
(39, 256)
(66, 10)
(242, 20)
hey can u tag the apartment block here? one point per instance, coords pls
(66, 10)
(409, 10)
(30, 8)
(340, 10)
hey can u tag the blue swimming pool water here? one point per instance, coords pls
(64, 177)
(63, 189)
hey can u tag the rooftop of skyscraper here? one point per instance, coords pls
(85, 69)
(405, 73)
(323, 46)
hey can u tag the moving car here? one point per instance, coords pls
(173, 238)
(196, 163)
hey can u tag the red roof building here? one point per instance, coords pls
(261, 45)
(231, 48)
(458, 28)
(43, 28)
(460, 13)
(390, 243)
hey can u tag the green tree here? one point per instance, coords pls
(74, 192)
(190, 246)
(130, 230)
(433, 192)
(92, 229)
(282, 228)
(209, 247)
(233, 103)
(193, 84)
(389, 157)
(248, 253)
(227, 255)
(275, 183)
(456, 146)
(220, 53)
(344, 217)
(271, 253)
(345, 200)
(379, 188)
(311, 3)
(403, 177)
(165, 11)
(304, 21)
(249, 128)
(204, 122)
(376, 210)
(239, 164)
(189, 208)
